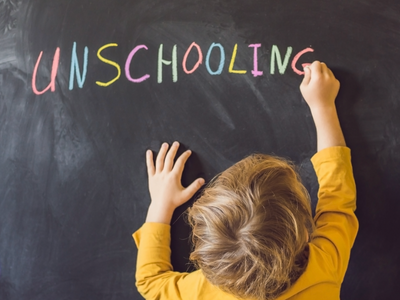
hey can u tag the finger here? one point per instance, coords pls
(150, 163)
(316, 67)
(180, 162)
(169, 159)
(161, 157)
(193, 188)
(307, 76)
(324, 68)
(330, 73)
(338, 85)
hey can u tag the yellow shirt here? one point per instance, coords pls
(336, 230)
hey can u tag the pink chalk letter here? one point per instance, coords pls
(296, 58)
(199, 61)
(128, 63)
(255, 70)
(54, 69)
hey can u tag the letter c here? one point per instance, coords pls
(128, 63)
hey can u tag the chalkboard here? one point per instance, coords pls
(87, 86)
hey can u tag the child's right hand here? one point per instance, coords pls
(319, 86)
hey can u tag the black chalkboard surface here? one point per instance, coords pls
(87, 86)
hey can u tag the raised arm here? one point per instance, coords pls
(336, 223)
(319, 89)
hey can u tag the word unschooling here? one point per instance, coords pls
(75, 71)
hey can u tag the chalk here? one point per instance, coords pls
(231, 70)
(221, 60)
(128, 64)
(199, 61)
(296, 58)
(110, 62)
(255, 70)
(75, 68)
(54, 69)
(162, 61)
(275, 54)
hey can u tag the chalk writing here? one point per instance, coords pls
(110, 62)
(276, 54)
(75, 68)
(255, 70)
(128, 64)
(199, 61)
(221, 60)
(75, 71)
(233, 58)
(296, 58)
(54, 69)
(162, 61)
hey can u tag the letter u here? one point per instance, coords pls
(54, 69)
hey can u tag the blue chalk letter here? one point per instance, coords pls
(75, 68)
(221, 61)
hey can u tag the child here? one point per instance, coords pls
(253, 234)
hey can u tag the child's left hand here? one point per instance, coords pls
(166, 190)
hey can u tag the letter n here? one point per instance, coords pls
(75, 68)
(276, 54)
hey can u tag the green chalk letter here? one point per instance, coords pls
(276, 54)
(162, 61)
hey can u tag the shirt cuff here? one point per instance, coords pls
(330, 154)
(156, 232)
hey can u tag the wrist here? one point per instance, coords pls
(329, 132)
(323, 110)
(159, 214)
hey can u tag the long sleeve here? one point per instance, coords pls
(336, 223)
(153, 268)
(336, 229)
(155, 278)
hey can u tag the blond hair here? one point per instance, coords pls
(251, 227)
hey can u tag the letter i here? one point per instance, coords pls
(255, 70)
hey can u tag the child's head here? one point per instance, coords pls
(251, 227)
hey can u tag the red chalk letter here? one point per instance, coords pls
(54, 69)
(255, 70)
(199, 61)
(128, 63)
(296, 58)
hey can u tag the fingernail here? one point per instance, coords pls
(202, 181)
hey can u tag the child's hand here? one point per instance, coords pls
(319, 87)
(166, 190)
